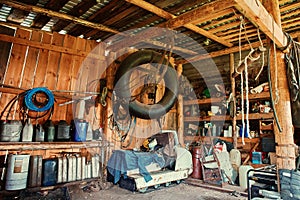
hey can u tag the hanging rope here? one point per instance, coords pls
(263, 56)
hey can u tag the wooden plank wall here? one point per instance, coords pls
(59, 62)
(55, 61)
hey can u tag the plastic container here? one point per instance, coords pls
(49, 172)
(39, 133)
(17, 172)
(80, 130)
(50, 131)
(10, 131)
(235, 158)
(27, 132)
(256, 157)
(243, 176)
(63, 131)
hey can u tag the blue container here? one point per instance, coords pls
(49, 172)
(246, 133)
(256, 158)
(80, 130)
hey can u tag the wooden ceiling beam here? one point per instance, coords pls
(166, 15)
(201, 12)
(59, 15)
(260, 17)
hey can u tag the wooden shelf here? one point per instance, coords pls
(208, 118)
(263, 95)
(252, 116)
(21, 146)
(203, 101)
(228, 139)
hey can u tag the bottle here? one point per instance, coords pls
(214, 130)
(39, 133)
(27, 133)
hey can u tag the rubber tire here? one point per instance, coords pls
(136, 108)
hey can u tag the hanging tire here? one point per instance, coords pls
(122, 89)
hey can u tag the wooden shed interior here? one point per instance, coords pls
(74, 48)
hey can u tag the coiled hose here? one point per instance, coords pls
(28, 99)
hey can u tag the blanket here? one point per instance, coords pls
(123, 160)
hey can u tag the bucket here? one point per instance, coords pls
(63, 130)
(243, 176)
(17, 172)
(80, 130)
(10, 131)
(49, 172)
(197, 168)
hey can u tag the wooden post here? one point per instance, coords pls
(232, 81)
(285, 149)
(180, 122)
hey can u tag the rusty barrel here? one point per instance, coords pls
(197, 168)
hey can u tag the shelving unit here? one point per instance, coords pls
(257, 118)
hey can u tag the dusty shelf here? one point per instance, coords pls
(50, 145)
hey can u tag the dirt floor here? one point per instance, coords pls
(173, 192)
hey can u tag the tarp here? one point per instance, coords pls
(123, 160)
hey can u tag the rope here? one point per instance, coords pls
(275, 66)
(28, 99)
(263, 56)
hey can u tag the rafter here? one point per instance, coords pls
(59, 15)
(166, 15)
(260, 17)
(197, 14)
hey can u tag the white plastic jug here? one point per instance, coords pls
(243, 176)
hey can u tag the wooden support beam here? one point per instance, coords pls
(59, 15)
(260, 17)
(232, 81)
(166, 15)
(180, 117)
(285, 149)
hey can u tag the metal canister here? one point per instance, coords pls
(83, 167)
(63, 131)
(95, 166)
(59, 169)
(49, 172)
(78, 168)
(197, 167)
(35, 171)
(64, 169)
(70, 168)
